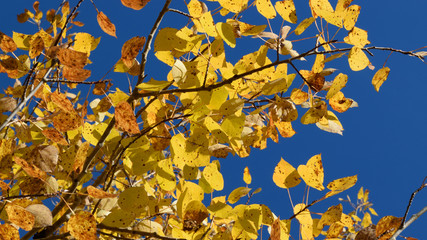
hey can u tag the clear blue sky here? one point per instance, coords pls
(384, 140)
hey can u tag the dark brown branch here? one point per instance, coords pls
(135, 232)
(48, 195)
(78, 82)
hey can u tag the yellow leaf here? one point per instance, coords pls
(213, 177)
(247, 178)
(234, 6)
(315, 113)
(340, 103)
(99, 193)
(304, 25)
(237, 193)
(332, 215)
(357, 59)
(84, 42)
(30, 169)
(373, 211)
(266, 8)
(82, 226)
(275, 86)
(133, 199)
(340, 185)
(195, 212)
(339, 82)
(357, 37)
(207, 24)
(360, 194)
(285, 129)
(380, 77)
(226, 32)
(22, 40)
(81, 157)
(106, 25)
(325, 46)
(286, 10)
(312, 172)
(165, 175)
(330, 123)
(190, 152)
(119, 218)
(318, 5)
(342, 5)
(298, 96)
(366, 221)
(305, 220)
(285, 175)
(153, 85)
(195, 8)
(351, 15)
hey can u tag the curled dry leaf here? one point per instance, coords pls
(135, 4)
(42, 214)
(20, 217)
(106, 25)
(130, 50)
(7, 104)
(47, 158)
(126, 120)
(99, 193)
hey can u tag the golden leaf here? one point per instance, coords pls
(106, 25)
(332, 215)
(61, 101)
(135, 4)
(247, 178)
(20, 217)
(387, 226)
(266, 8)
(66, 121)
(285, 175)
(340, 103)
(339, 82)
(312, 172)
(8, 232)
(351, 15)
(380, 77)
(286, 10)
(298, 96)
(125, 118)
(80, 158)
(357, 59)
(82, 226)
(75, 74)
(99, 193)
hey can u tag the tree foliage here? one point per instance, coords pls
(144, 162)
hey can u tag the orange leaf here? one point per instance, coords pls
(126, 120)
(55, 136)
(135, 4)
(6, 43)
(106, 25)
(36, 47)
(98, 193)
(72, 58)
(81, 157)
(131, 49)
(82, 226)
(7, 231)
(75, 74)
(61, 101)
(30, 169)
(20, 217)
(66, 121)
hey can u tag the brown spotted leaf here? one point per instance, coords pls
(61, 101)
(75, 74)
(135, 4)
(106, 25)
(130, 50)
(126, 120)
(30, 169)
(36, 47)
(82, 226)
(55, 136)
(99, 193)
(66, 121)
(6, 43)
(20, 217)
(71, 58)
(81, 157)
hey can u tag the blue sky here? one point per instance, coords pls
(384, 139)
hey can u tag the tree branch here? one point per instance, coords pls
(140, 233)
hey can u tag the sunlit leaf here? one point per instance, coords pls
(237, 193)
(265, 8)
(286, 10)
(357, 59)
(106, 25)
(285, 175)
(125, 118)
(332, 215)
(135, 4)
(247, 178)
(312, 172)
(20, 217)
(380, 77)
